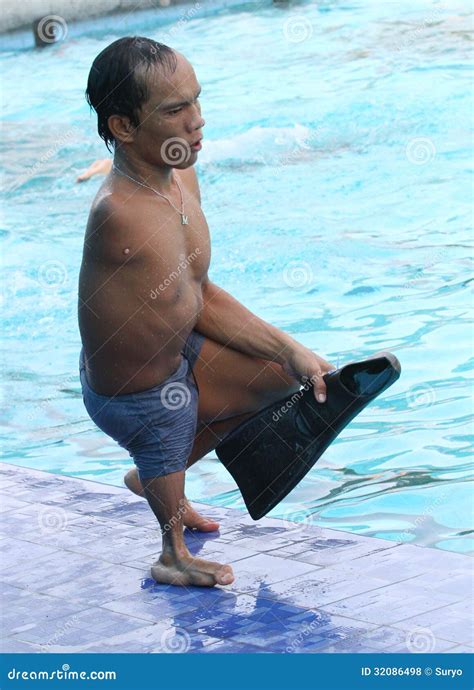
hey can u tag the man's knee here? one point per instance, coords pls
(232, 383)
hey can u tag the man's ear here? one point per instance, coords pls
(121, 128)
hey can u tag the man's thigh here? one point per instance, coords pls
(232, 383)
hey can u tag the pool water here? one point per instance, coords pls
(335, 180)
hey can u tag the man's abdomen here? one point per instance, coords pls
(132, 347)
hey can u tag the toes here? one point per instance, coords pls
(225, 576)
(207, 525)
(200, 523)
(171, 576)
(203, 580)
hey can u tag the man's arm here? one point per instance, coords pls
(227, 321)
(99, 167)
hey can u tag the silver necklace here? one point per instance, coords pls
(184, 218)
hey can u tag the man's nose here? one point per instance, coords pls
(197, 121)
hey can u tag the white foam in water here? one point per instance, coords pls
(257, 145)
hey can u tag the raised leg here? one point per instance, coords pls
(232, 387)
(207, 438)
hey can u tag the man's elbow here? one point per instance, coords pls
(206, 285)
(209, 290)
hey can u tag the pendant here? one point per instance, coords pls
(184, 219)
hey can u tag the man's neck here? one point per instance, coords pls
(160, 179)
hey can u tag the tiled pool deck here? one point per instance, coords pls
(75, 559)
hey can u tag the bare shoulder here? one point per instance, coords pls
(111, 226)
(190, 180)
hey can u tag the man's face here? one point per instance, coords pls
(170, 122)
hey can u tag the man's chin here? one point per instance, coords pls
(187, 163)
(178, 153)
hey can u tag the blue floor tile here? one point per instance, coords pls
(301, 589)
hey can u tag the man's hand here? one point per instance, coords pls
(303, 364)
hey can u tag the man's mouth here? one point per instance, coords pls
(197, 146)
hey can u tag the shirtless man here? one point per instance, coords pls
(171, 362)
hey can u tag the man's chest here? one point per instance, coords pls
(182, 249)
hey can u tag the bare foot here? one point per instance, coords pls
(132, 482)
(184, 570)
(194, 520)
(191, 518)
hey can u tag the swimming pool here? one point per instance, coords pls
(334, 178)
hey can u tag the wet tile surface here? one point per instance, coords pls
(75, 562)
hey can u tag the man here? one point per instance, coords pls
(171, 363)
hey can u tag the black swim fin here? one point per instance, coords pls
(270, 453)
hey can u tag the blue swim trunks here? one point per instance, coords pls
(156, 426)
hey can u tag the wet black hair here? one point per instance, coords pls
(116, 85)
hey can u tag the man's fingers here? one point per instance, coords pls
(319, 387)
(85, 175)
(320, 390)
